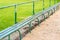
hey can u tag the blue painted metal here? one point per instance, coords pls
(15, 4)
(8, 37)
(17, 26)
(20, 35)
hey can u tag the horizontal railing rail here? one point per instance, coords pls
(17, 26)
(16, 4)
(33, 7)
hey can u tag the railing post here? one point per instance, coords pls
(33, 8)
(20, 35)
(15, 14)
(9, 37)
(44, 16)
(29, 27)
(38, 21)
(43, 5)
(48, 14)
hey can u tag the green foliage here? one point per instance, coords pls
(23, 11)
(58, 0)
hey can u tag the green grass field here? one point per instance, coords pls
(23, 11)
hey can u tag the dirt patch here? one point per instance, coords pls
(47, 30)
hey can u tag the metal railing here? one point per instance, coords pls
(7, 32)
(33, 7)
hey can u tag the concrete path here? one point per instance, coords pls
(48, 30)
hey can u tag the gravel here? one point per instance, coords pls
(47, 30)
